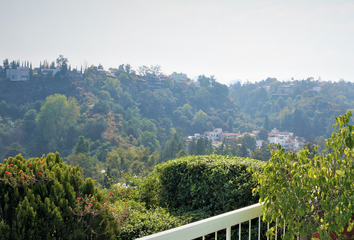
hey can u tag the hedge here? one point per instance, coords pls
(214, 183)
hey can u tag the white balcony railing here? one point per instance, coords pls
(213, 225)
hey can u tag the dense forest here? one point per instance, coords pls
(117, 121)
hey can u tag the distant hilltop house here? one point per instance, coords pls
(286, 139)
(51, 71)
(218, 135)
(18, 74)
(179, 77)
(104, 74)
(285, 89)
(183, 80)
(155, 82)
(318, 87)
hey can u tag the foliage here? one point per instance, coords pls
(56, 117)
(211, 182)
(311, 194)
(146, 222)
(40, 197)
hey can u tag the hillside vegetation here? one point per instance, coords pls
(46, 197)
(118, 122)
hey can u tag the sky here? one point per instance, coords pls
(247, 40)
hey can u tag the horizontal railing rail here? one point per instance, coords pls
(213, 225)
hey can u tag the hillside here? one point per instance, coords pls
(126, 121)
(122, 120)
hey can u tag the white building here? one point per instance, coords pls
(287, 140)
(50, 71)
(19, 74)
(178, 77)
(214, 135)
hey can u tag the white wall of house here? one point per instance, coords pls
(19, 74)
(178, 77)
(214, 135)
(50, 71)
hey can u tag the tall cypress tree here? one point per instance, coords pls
(266, 123)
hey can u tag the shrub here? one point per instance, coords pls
(311, 194)
(47, 199)
(140, 223)
(214, 183)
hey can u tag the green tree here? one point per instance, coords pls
(308, 194)
(266, 124)
(243, 149)
(47, 199)
(265, 151)
(174, 145)
(250, 142)
(257, 154)
(82, 146)
(230, 124)
(148, 139)
(298, 124)
(14, 149)
(29, 120)
(57, 115)
(263, 134)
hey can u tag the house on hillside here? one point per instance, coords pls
(286, 139)
(318, 87)
(214, 135)
(228, 136)
(50, 71)
(178, 77)
(155, 82)
(285, 89)
(18, 74)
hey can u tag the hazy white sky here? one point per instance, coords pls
(229, 39)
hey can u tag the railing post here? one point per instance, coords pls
(249, 229)
(239, 231)
(228, 233)
(276, 228)
(259, 228)
(267, 229)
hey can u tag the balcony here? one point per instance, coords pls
(214, 224)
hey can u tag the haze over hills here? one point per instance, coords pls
(228, 39)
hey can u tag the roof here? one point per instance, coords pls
(230, 134)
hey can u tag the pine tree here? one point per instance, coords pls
(266, 123)
(44, 199)
(82, 146)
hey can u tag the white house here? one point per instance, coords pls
(178, 77)
(214, 135)
(287, 140)
(50, 71)
(19, 74)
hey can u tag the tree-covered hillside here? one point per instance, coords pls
(122, 120)
(112, 120)
(305, 107)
